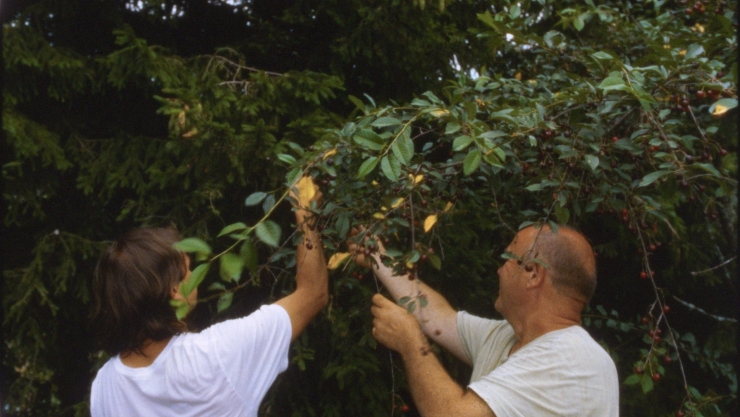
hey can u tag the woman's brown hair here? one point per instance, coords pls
(132, 285)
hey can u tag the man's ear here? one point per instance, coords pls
(535, 274)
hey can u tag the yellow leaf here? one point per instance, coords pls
(448, 206)
(397, 202)
(518, 76)
(682, 53)
(440, 113)
(191, 133)
(698, 27)
(337, 259)
(419, 178)
(409, 265)
(181, 119)
(719, 109)
(330, 153)
(378, 216)
(429, 222)
(383, 208)
(306, 191)
(374, 183)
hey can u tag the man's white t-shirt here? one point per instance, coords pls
(561, 373)
(225, 370)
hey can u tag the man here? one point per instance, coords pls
(538, 362)
(157, 368)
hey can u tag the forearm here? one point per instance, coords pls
(438, 320)
(434, 391)
(311, 275)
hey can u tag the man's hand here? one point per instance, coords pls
(395, 328)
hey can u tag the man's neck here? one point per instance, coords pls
(539, 322)
(149, 352)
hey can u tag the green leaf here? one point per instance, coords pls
(288, 159)
(391, 167)
(357, 102)
(709, 168)
(255, 198)
(193, 245)
(514, 12)
(592, 161)
(693, 51)
(602, 55)
(224, 301)
(385, 122)
(181, 308)
(231, 267)
(196, 277)
(231, 228)
(633, 379)
(472, 161)
(435, 261)
(268, 232)
(452, 128)
(401, 150)
(613, 83)
(652, 177)
(579, 22)
(367, 167)
(248, 253)
(646, 382)
(461, 142)
(403, 300)
(368, 139)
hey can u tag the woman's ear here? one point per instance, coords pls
(175, 292)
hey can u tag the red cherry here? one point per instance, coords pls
(638, 370)
(405, 408)
(643, 275)
(667, 359)
(615, 138)
(666, 309)
(679, 413)
(701, 94)
(656, 377)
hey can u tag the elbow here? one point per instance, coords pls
(322, 298)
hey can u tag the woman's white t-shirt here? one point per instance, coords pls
(225, 370)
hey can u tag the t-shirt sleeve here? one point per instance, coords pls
(476, 333)
(253, 350)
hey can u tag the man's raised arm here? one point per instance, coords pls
(438, 319)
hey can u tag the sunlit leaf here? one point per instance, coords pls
(337, 259)
(429, 222)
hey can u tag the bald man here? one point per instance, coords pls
(539, 361)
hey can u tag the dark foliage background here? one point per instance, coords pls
(438, 125)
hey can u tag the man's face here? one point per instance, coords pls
(511, 279)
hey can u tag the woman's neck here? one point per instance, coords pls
(149, 351)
